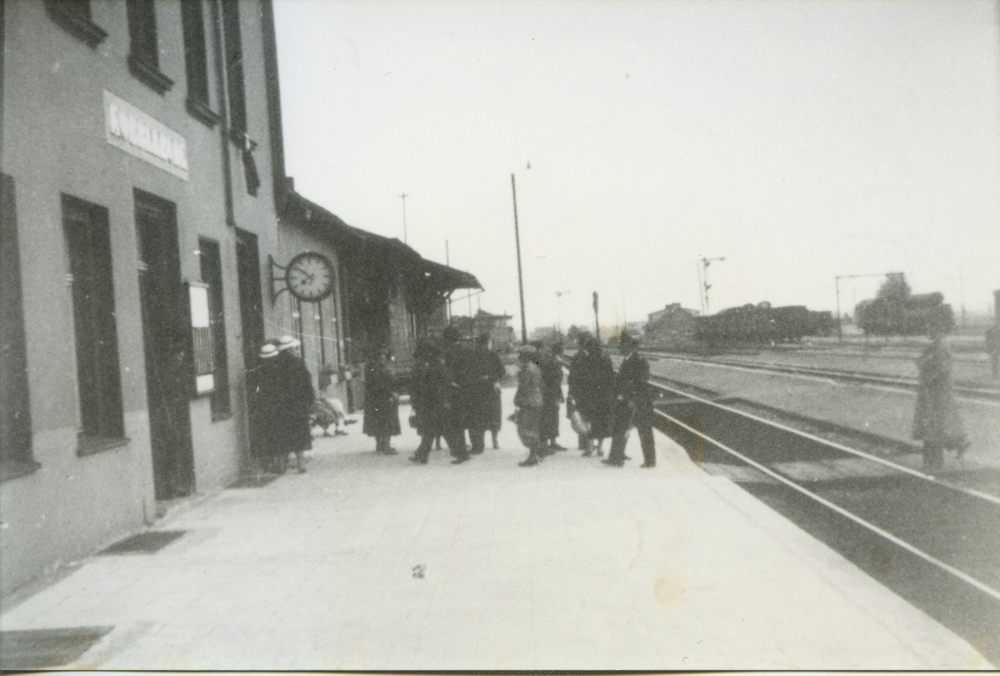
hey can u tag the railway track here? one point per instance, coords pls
(967, 391)
(932, 540)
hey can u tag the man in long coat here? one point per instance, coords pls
(456, 359)
(485, 369)
(293, 400)
(634, 406)
(431, 397)
(592, 388)
(936, 421)
(381, 403)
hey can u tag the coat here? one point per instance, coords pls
(528, 400)
(381, 403)
(281, 399)
(432, 395)
(552, 395)
(631, 385)
(936, 420)
(592, 388)
(295, 396)
(484, 369)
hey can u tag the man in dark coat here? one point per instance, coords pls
(430, 397)
(633, 407)
(456, 359)
(293, 400)
(552, 395)
(381, 403)
(592, 388)
(485, 369)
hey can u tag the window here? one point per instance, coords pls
(196, 61)
(211, 274)
(88, 244)
(73, 16)
(15, 412)
(234, 69)
(144, 50)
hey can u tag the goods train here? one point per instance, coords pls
(903, 316)
(761, 323)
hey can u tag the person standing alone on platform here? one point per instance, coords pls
(381, 402)
(485, 369)
(295, 399)
(634, 406)
(936, 421)
(528, 402)
(552, 395)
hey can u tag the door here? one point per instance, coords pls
(166, 329)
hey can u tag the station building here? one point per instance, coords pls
(138, 204)
(147, 231)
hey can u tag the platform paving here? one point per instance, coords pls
(370, 562)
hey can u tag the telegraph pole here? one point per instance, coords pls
(520, 278)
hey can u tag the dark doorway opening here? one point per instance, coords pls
(166, 331)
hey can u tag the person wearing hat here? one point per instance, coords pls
(633, 406)
(528, 402)
(261, 385)
(381, 402)
(293, 401)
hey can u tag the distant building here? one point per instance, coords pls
(501, 334)
(671, 325)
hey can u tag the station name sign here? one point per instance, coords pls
(141, 135)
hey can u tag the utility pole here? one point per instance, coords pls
(404, 217)
(520, 278)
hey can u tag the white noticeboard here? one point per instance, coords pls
(201, 333)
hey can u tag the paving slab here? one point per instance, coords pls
(370, 562)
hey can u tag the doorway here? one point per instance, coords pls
(166, 330)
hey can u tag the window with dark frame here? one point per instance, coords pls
(234, 68)
(196, 61)
(88, 244)
(74, 17)
(144, 49)
(211, 274)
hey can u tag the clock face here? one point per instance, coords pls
(310, 276)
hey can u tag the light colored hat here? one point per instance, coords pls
(287, 342)
(267, 351)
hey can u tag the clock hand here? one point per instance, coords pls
(300, 269)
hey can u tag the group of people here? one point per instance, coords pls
(454, 392)
(601, 403)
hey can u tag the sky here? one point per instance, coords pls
(788, 143)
